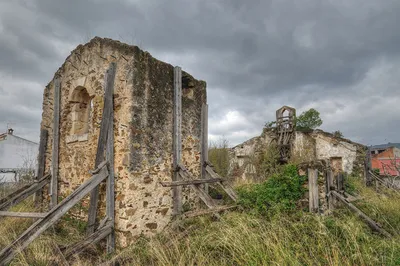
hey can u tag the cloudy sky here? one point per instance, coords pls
(340, 57)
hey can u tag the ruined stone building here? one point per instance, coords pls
(342, 154)
(143, 129)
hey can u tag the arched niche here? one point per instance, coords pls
(80, 103)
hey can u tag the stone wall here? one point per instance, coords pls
(243, 158)
(306, 147)
(143, 127)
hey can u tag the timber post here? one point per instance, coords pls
(41, 164)
(110, 187)
(101, 146)
(329, 185)
(177, 140)
(56, 143)
(204, 143)
(313, 190)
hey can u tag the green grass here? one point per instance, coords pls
(290, 239)
(242, 237)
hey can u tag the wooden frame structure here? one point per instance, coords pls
(104, 170)
(335, 193)
(182, 177)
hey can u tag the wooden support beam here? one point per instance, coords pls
(56, 144)
(12, 194)
(101, 145)
(90, 240)
(36, 215)
(41, 163)
(225, 186)
(313, 190)
(328, 186)
(199, 191)
(191, 182)
(372, 224)
(340, 182)
(177, 139)
(51, 217)
(15, 198)
(204, 143)
(110, 187)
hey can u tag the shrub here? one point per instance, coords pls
(279, 193)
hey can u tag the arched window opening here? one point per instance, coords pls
(80, 111)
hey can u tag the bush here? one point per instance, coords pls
(279, 193)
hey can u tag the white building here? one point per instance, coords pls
(16, 155)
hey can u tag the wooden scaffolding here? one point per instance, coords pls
(104, 170)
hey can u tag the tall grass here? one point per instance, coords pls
(290, 239)
(243, 237)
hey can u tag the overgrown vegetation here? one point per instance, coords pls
(269, 228)
(290, 238)
(309, 119)
(218, 155)
(337, 134)
(278, 193)
(268, 163)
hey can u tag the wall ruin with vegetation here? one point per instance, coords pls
(143, 128)
(307, 146)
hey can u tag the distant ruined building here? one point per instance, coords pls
(343, 155)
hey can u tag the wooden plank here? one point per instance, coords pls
(51, 218)
(340, 182)
(56, 144)
(372, 224)
(23, 214)
(101, 146)
(191, 182)
(90, 240)
(177, 139)
(203, 195)
(14, 193)
(41, 163)
(204, 143)
(16, 198)
(225, 186)
(192, 214)
(110, 195)
(313, 190)
(328, 187)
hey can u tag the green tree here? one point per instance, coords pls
(337, 134)
(308, 120)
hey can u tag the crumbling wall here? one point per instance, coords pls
(303, 148)
(244, 158)
(143, 128)
(328, 147)
(306, 147)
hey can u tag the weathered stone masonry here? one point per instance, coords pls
(143, 127)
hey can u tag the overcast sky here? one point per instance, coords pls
(340, 57)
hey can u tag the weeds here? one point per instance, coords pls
(278, 193)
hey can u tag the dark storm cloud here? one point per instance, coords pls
(335, 56)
